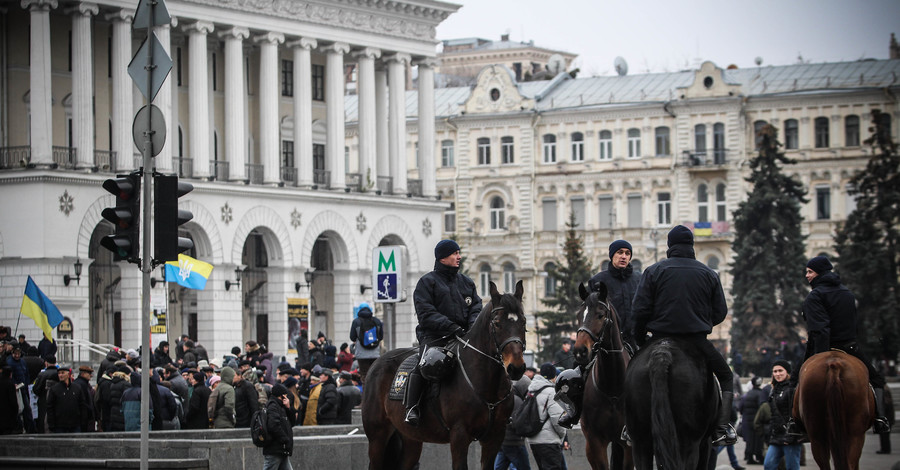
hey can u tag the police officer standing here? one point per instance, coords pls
(447, 304)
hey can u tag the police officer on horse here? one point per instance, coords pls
(447, 305)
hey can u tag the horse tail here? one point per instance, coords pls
(665, 436)
(834, 400)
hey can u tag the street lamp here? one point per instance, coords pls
(237, 279)
(652, 244)
(67, 279)
(308, 277)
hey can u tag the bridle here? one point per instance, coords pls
(600, 337)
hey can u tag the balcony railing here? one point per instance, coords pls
(354, 181)
(386, 184)
(14, 157)
(289, 175)
(219, 170)
(703, 158)
(255, 173)
(105, 161)
(184, 166)
(322, 178)
(414, 187)
(64, 157)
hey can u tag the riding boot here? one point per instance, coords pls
(625, 436)
(724, 433)
(415, 385)
(797, 430)
(881, 423)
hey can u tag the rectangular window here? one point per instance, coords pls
(450, 219)
(318, 157)
(791, 134)
(447, 153)
(484, 151)
(664, 209)
(287, 77)
(178, 65)
(605, 145)
(821, 130)
(549, 210)
(634, 143)
(212, 64)
(578, 210)
(577, 147)
(850, 201)
(509, 280)
(851, 131)
(318, 82)
(662, 141)
(823, 203)
(507, 152)
(287, 153)
(635, 216)
(549, 151)
(605, 212)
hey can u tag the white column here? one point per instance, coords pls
(334, 111)
(397, 111)
(198, 97)
(367, 132)
(82, 84)
(235, 142)
(163, 160)
(382, 148)
(303, 110)
(426, 126)
(269, 128)
(41, 127)
(122, 112)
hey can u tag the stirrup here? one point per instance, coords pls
(727, 438)
(412, 416)
(625, 437)
(881, 425)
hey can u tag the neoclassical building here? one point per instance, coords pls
(254, 113)
(633, 155)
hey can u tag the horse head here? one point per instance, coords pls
(507, 319)
(599, 326)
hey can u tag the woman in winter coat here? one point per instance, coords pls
(748, 407)
(780, 402)
(131, 404)
(329, 400)
(546, 445)
(224, 411)
(278, 423)
(345, 358)
(197, 416)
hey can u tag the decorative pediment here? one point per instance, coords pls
(496, 92)
(709, 83)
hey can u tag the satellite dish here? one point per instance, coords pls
(758, 61)
(556, 64)
(621, 66)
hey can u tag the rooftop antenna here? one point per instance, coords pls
(621, 66)
(758, 61)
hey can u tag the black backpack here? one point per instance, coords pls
(259, 432)
(368, 333)
(526, 421)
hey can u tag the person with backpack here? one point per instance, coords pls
(513, 451)
(546, 445)
(368, 342)
(280, 437)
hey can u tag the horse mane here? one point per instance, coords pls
(507, 301)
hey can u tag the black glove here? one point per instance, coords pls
(460, 332)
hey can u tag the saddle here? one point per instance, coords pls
(398, 385)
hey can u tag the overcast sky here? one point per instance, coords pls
(668, 35)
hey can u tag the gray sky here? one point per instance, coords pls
(670, 35)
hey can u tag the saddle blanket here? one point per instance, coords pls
(398, 386)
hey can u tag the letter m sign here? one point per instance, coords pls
(387, 273)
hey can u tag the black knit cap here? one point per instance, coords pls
(445, 248)
(782, 363)
(618, 245)
(680, 235)
(279, 390)
(820, 264)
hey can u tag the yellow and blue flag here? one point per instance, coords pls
(39, 307)
(188, 272)
(702, 229)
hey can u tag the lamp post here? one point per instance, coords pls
(653, 245)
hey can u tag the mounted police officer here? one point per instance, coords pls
(447, 305)
(681, 297)
(830, 314)
(621, 284)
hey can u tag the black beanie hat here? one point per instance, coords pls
(279, 390)
(819, 264)
(782, 363)
(618, 245)
(680, 235)
(445, 248)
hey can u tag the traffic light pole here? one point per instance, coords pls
(146, 264)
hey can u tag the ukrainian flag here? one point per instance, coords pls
(188, 272)
(39, 307)
(702, 229)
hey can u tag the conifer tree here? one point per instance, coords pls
(554, 325)
(868, 244)
(768, 287)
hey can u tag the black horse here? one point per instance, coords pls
(671, 406)
(475, 400)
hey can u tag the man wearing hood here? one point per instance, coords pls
(279, 421)
(683, 298)
(161, 356)
(224, 411)
(447, 304)
(367, 353)
(830, 314)
(547, 444)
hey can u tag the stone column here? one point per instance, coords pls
(198, 96)
(303, 110)
(82, 84)
(382, 148)
(235, 141)
(122, 112)
(163, 160)
(397, 120)
(426, 126)
(334, 110)
(39, 95)
(367, 132)
(269, 128)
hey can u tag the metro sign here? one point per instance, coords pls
(387, 273)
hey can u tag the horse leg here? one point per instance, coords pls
(489, 451)
(412, 450)
(459, 451)
(596, 453)
(622, 453)
(378, 449)
(821, 455)
(643, 455)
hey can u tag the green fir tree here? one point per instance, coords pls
(868, 245)
(768, 287)
(555, 325)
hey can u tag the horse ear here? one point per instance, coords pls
(582, 291)
(495, 295)
(519, 290)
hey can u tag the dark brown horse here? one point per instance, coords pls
(599, 348)
(834, 402)
(475, 400)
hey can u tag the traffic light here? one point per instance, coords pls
(168, 217)
(125, 216)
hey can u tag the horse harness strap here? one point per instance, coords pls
(614, 400)
(490, 405)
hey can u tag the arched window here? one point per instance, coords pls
(605, 145)
(549, 148)
(700, 140)
(721, 214)
(851, 131)
(634, 143)
(713, 263)
(719, 143)
(484, 151)
(447, 153)
(577, 147)
(498, 213)
(662, 141)
(509, 277)
(821, 129)
(549, 280)
(484, 279)
(792, 134)
(702, 203)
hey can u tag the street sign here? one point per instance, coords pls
(388, 273)
(162, 65)
(140, 126)
(142, 14)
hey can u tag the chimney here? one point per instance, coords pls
(505, 37)
(895, 48)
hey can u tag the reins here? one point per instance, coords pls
(598, 349)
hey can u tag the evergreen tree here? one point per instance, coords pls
(868, 245)
(768, 285)
(554, 325)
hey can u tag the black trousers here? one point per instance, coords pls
(714, 358)
(852, 348)
(548, 456)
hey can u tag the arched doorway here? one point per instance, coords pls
(104, 276)
(254, 286)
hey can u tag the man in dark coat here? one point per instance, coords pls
(20, 376)
(83, 381)
(350, 398)
(246, 401)
(197, 414)
(161, 356)
(102, 397)
(279, 423)
(66, 404)
(329, 399)
(748, 407)
(682, 297)
(45, 380)
(830, 313)
(121, 382)
(621, 284)
(447, 304)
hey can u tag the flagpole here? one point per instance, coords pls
(17, 323)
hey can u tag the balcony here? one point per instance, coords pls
(105, 161)
(255, 173)
(710, 230)
(322, 178)
(703, 159)
(219, 170)
(386, 184)
(289, 175)
(15, 157)
(184, 166)
(64, 157)
(414, 187)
